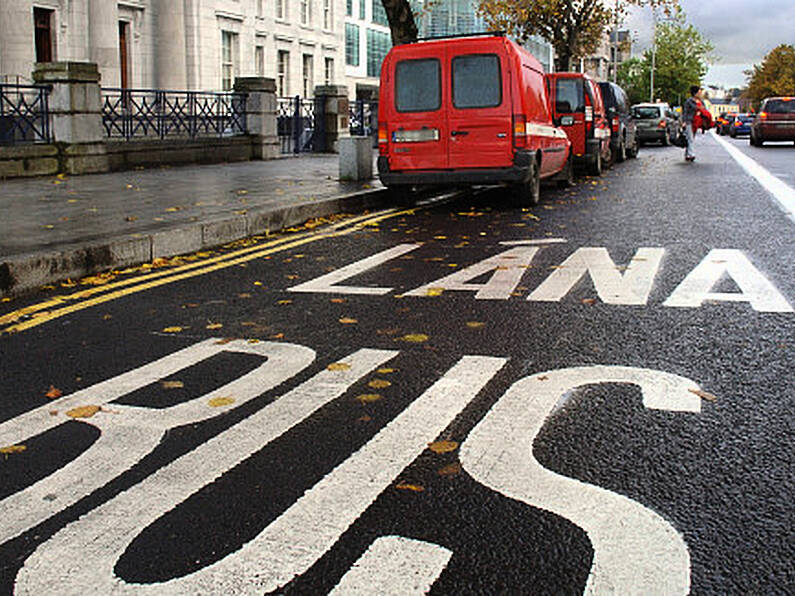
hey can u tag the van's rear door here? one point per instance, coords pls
(419, 136)
(480, 106)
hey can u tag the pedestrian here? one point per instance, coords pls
(694, 116)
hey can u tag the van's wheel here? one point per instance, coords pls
(403, 195)
(567, 175)
(632, 152)
(595, 165)
(529, 193)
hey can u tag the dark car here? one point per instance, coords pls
(741, 125)
(775, 121)
(624, 136)
(723, 122)
(655, 123)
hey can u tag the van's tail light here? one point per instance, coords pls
(383, 138)
(615, 124)
(661, 124)
(763, 115)
(519, 130)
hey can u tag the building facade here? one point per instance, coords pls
(179, 44)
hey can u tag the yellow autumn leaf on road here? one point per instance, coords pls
(337, 366)
(414, 338)
(172, 384)
(434, 292)
(385, 371)
(416, 488)
(347, 321)
(379, 384)
(475, 324)
(83, 411)
(219, 402)
(212, 326)
(53, 392)
(368, 398)
(172, 329)
(12, 449)
(450, 470)
(443, 446)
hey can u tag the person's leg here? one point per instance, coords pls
(689, 153)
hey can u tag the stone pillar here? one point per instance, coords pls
(260, 115)
(336, 116)
(17, 51)
(103, 44)
(170, 45)
(75, 114)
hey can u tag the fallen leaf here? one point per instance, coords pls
(253, 341)
(364, 418)
(410, 487)
(224, 341)
(347, 321)
(83, 411)
(475, 324)
(214, 326)
(704, 394)
(53, 392)
(219, 402)
(385, 371)
(338, 300)
(284, 302)
(450, 470)
(172, 384)
(12, 449)
(434, 292)
(368, 398)
(172, 329)
(414, 338)
(379, 384)
(336, 366)
(443, 446)
(589, 300)
(278, 336)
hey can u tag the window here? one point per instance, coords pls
(418, 86)
(282, 73)
(308, 74)
(328, 15)
(476, 81)
(259, 61)
(362, 8)
(378, 44)
(779, 106)
(569, 96)
(281, 10)
(349, 8)
(379, 14)
(329, 71)
(42, 27)
(351, 44)
(260, 12)
(229, 53)
(306, 12)
(646, 112)
(124, 54)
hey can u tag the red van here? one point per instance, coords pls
(467, 111)
(577, 107)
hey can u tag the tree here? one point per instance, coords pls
(775, 76)
(402, 25)
(681, 58)
(575, 28)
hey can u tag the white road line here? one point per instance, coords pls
(394, 566)
(781, 191)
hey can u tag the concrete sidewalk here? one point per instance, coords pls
(66, 227)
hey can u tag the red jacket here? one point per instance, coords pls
(702, 118)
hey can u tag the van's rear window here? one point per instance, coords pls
(569, 96)
(780, 106)
(476, 81)
(418, 86)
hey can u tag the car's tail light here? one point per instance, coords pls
(519, 130)
(763, 115)
(661, 124)
(383, 138)
(615, 124)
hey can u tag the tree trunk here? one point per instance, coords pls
(401, 21)
(562, 62)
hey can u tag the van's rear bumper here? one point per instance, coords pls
(519, 172)
(592, 148)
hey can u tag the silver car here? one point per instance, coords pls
(656, 122)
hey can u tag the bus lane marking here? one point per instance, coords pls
(636, 551)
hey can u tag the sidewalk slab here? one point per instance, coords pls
(55, 228)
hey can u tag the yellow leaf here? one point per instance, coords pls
(83, 411)
(704, 394)
(338, 300)
(347, 321)
(443, 446)
(12, 449)
(414, 338)
(379, 384)
(475, 324)
(284, 302)
(253, 341)
(172, 384)
(385, 371)
(53, 393)
(214, 326)
(336, 366)
(368, 398)
(450, 470)
(219, 402)
(172, 329)
(434, 291)
(411, 487)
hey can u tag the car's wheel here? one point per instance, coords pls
(733, 134)
(666, 140)
(632, 152)
(528, 193)
(621, 154)
(595, 166)
(567, 175)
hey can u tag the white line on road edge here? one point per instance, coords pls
(783, 192)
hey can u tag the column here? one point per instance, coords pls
(336, 121)
(260, 115)
(103, 40)
(170, 41)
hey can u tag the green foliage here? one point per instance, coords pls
(681, 59)
(775, 76)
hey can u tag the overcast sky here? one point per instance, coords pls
(742, 31)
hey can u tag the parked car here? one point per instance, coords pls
(464, 111)
(723, 122)
(577, 107)
(623, 138)
(741, 125)
(775, 121)
(656, 122)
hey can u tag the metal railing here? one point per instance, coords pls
(154, 113)
(300, 124)
(24, 114)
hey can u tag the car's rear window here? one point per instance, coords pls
(746, 117)
(569, 96)
(646, 112)
(476, 81)
(418, 86)
(780, 106)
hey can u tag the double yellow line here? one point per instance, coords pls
(59, 306)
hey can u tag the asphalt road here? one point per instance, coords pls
(467, 398)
